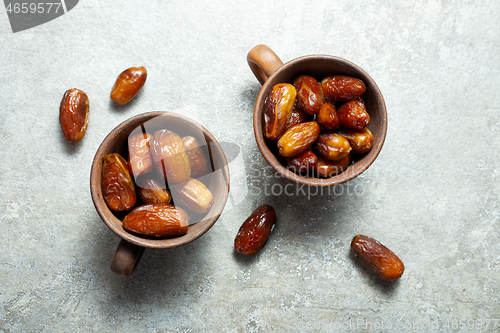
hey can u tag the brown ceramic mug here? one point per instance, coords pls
(131, 247)
(270, 70)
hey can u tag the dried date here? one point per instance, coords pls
(278, 109)
(117, 185)
(327, 169)
(342, 88)
(377, 258)
(298, 117)
(309, 94)
(361, 141)
(151, 192)
(74, 114)
(353, 114)
(198, 159)
(128, 84)
(298, 139)
(302, 163)
(139, 150)
(170, 157)
(327, 117)
(194, 196)
(332, 146)
(255, 231)
(157, 220)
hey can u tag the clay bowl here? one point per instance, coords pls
(132, 246)
(270, 70)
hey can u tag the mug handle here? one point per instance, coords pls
(263, 62)
(126, 258)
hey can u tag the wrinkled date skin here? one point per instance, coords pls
(298, 117)
(309, 94)
(117, 185)
(341, 88)
(327, 117)
(139, 151)
(278, 109)
(377, 258)
(327, 169)
(128, 84)
(353, 114)
(332, 146)
(170, 157)
(151, 192)
(193, 196)
(157, 220)
(302, 163)
(74, 114)
(298, 139)
(361, 141)
(199, 162)
(255, 231)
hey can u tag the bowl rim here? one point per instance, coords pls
(350, 173)
(113, 222)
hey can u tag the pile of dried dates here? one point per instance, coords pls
(160, 166)
(318, 125)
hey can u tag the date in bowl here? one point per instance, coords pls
(270, 70)
(132, 245)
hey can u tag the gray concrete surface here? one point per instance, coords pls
(431, 196)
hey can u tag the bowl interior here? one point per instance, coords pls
(320, 66)
(217, 181)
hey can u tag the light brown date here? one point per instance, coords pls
(327, 117)
(128, 84)
(157, 220)
(298, 117)
(302, 163)
(377, 258)
(298, 139)
(170, 157)
(361, 141)
(309, 93)
(194, 196)
(74, 114)
(198, 159)
(278, 109)
(150, 191)
(117, 185)
(341, 88)
(139, 152)
(327, 169)
(353, 114)
(255, 231)
(332, 146)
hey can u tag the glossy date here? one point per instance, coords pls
(255, 231)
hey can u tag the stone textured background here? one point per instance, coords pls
(431, 196)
